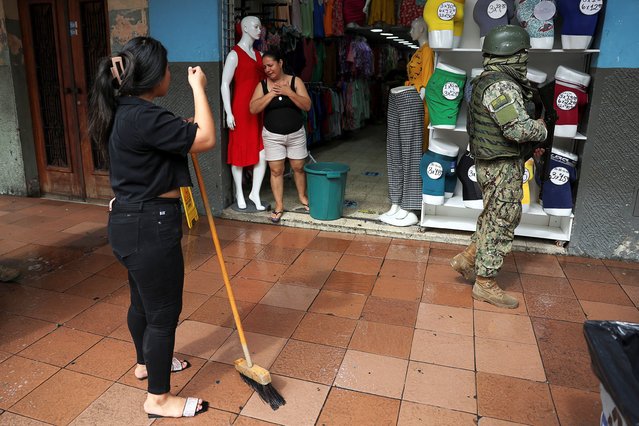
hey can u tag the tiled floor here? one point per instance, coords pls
(355, 329)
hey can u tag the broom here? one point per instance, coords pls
(253, 375)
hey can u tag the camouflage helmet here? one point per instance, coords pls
(506, 40)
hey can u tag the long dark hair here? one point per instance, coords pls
(144, 62)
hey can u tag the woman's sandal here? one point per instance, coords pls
(176, 365)
(276, 216)
(306, 207)
(189, 410)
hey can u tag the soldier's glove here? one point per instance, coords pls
(550, 117)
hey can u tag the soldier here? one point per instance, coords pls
(502, 133)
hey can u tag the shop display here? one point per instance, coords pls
(445, 20)
(471, 192)
(409, 10)
(579, 22)
(542, 218)
(380, 11)
(444, 94)
(537, 17)
(403, 152)
(491, 13)
(558, 182)
(571, 98)
(437, 166)
(354, 12)
(526, 185)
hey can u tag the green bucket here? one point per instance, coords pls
(326, 187)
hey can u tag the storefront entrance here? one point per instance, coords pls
(63, 42)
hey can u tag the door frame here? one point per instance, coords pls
(76, 180)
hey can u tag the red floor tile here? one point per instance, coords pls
(398, 288)
(349, 282)
(345, 407)
(390, 311)
(325, 329)
(515, 400)
(382, 339)
(19, 376)
(309, 361)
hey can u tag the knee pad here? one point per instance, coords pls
(579, 22)
(536, 17)
(571, 98)
(471, 191)
(436, 167)
(557, 186)
(444, 93)
(489, 14)
(528, 177)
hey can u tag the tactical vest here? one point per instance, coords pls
(486, 138)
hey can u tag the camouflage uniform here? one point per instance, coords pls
(500, 169)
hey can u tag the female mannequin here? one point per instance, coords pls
(245, 135)
(408, 133)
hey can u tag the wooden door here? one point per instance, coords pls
(63, 42)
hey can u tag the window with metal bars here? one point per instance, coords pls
(228, 26)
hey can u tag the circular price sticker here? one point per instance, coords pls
(434, 170)
(545, 10)
(526, 175)
(590, 7)
(559, 175)
(496, 9)
(450, 90)
(472, 174)
(566, 100)
(446, 11)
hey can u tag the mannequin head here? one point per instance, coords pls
(251, 27)
(419, 31)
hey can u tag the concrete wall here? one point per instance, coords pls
(18, 174)
(607, 209)
(192, 36)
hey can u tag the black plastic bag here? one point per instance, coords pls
(614, 352)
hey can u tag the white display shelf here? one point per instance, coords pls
(534, 223)
(477, 49)
(460, 125)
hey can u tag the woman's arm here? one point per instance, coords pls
(205, 135)
(259, 101)
(300, 98)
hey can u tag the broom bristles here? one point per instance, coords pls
(267, 392)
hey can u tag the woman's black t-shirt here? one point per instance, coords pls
(281, 115)
(148, 150)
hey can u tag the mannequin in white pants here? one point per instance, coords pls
(251, 28)
(396, 215)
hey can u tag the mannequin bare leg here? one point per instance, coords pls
(236, 172)
(259, 170)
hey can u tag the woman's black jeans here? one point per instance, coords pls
(145, 238)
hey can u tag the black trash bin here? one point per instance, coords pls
(614, 352)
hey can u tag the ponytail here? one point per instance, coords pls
(138, 69)
(102, 104)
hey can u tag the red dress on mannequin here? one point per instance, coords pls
(245, 142)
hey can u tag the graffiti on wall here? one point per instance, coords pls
(127, 23)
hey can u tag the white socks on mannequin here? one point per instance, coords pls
(397, 216)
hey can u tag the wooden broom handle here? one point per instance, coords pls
(218, 250)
